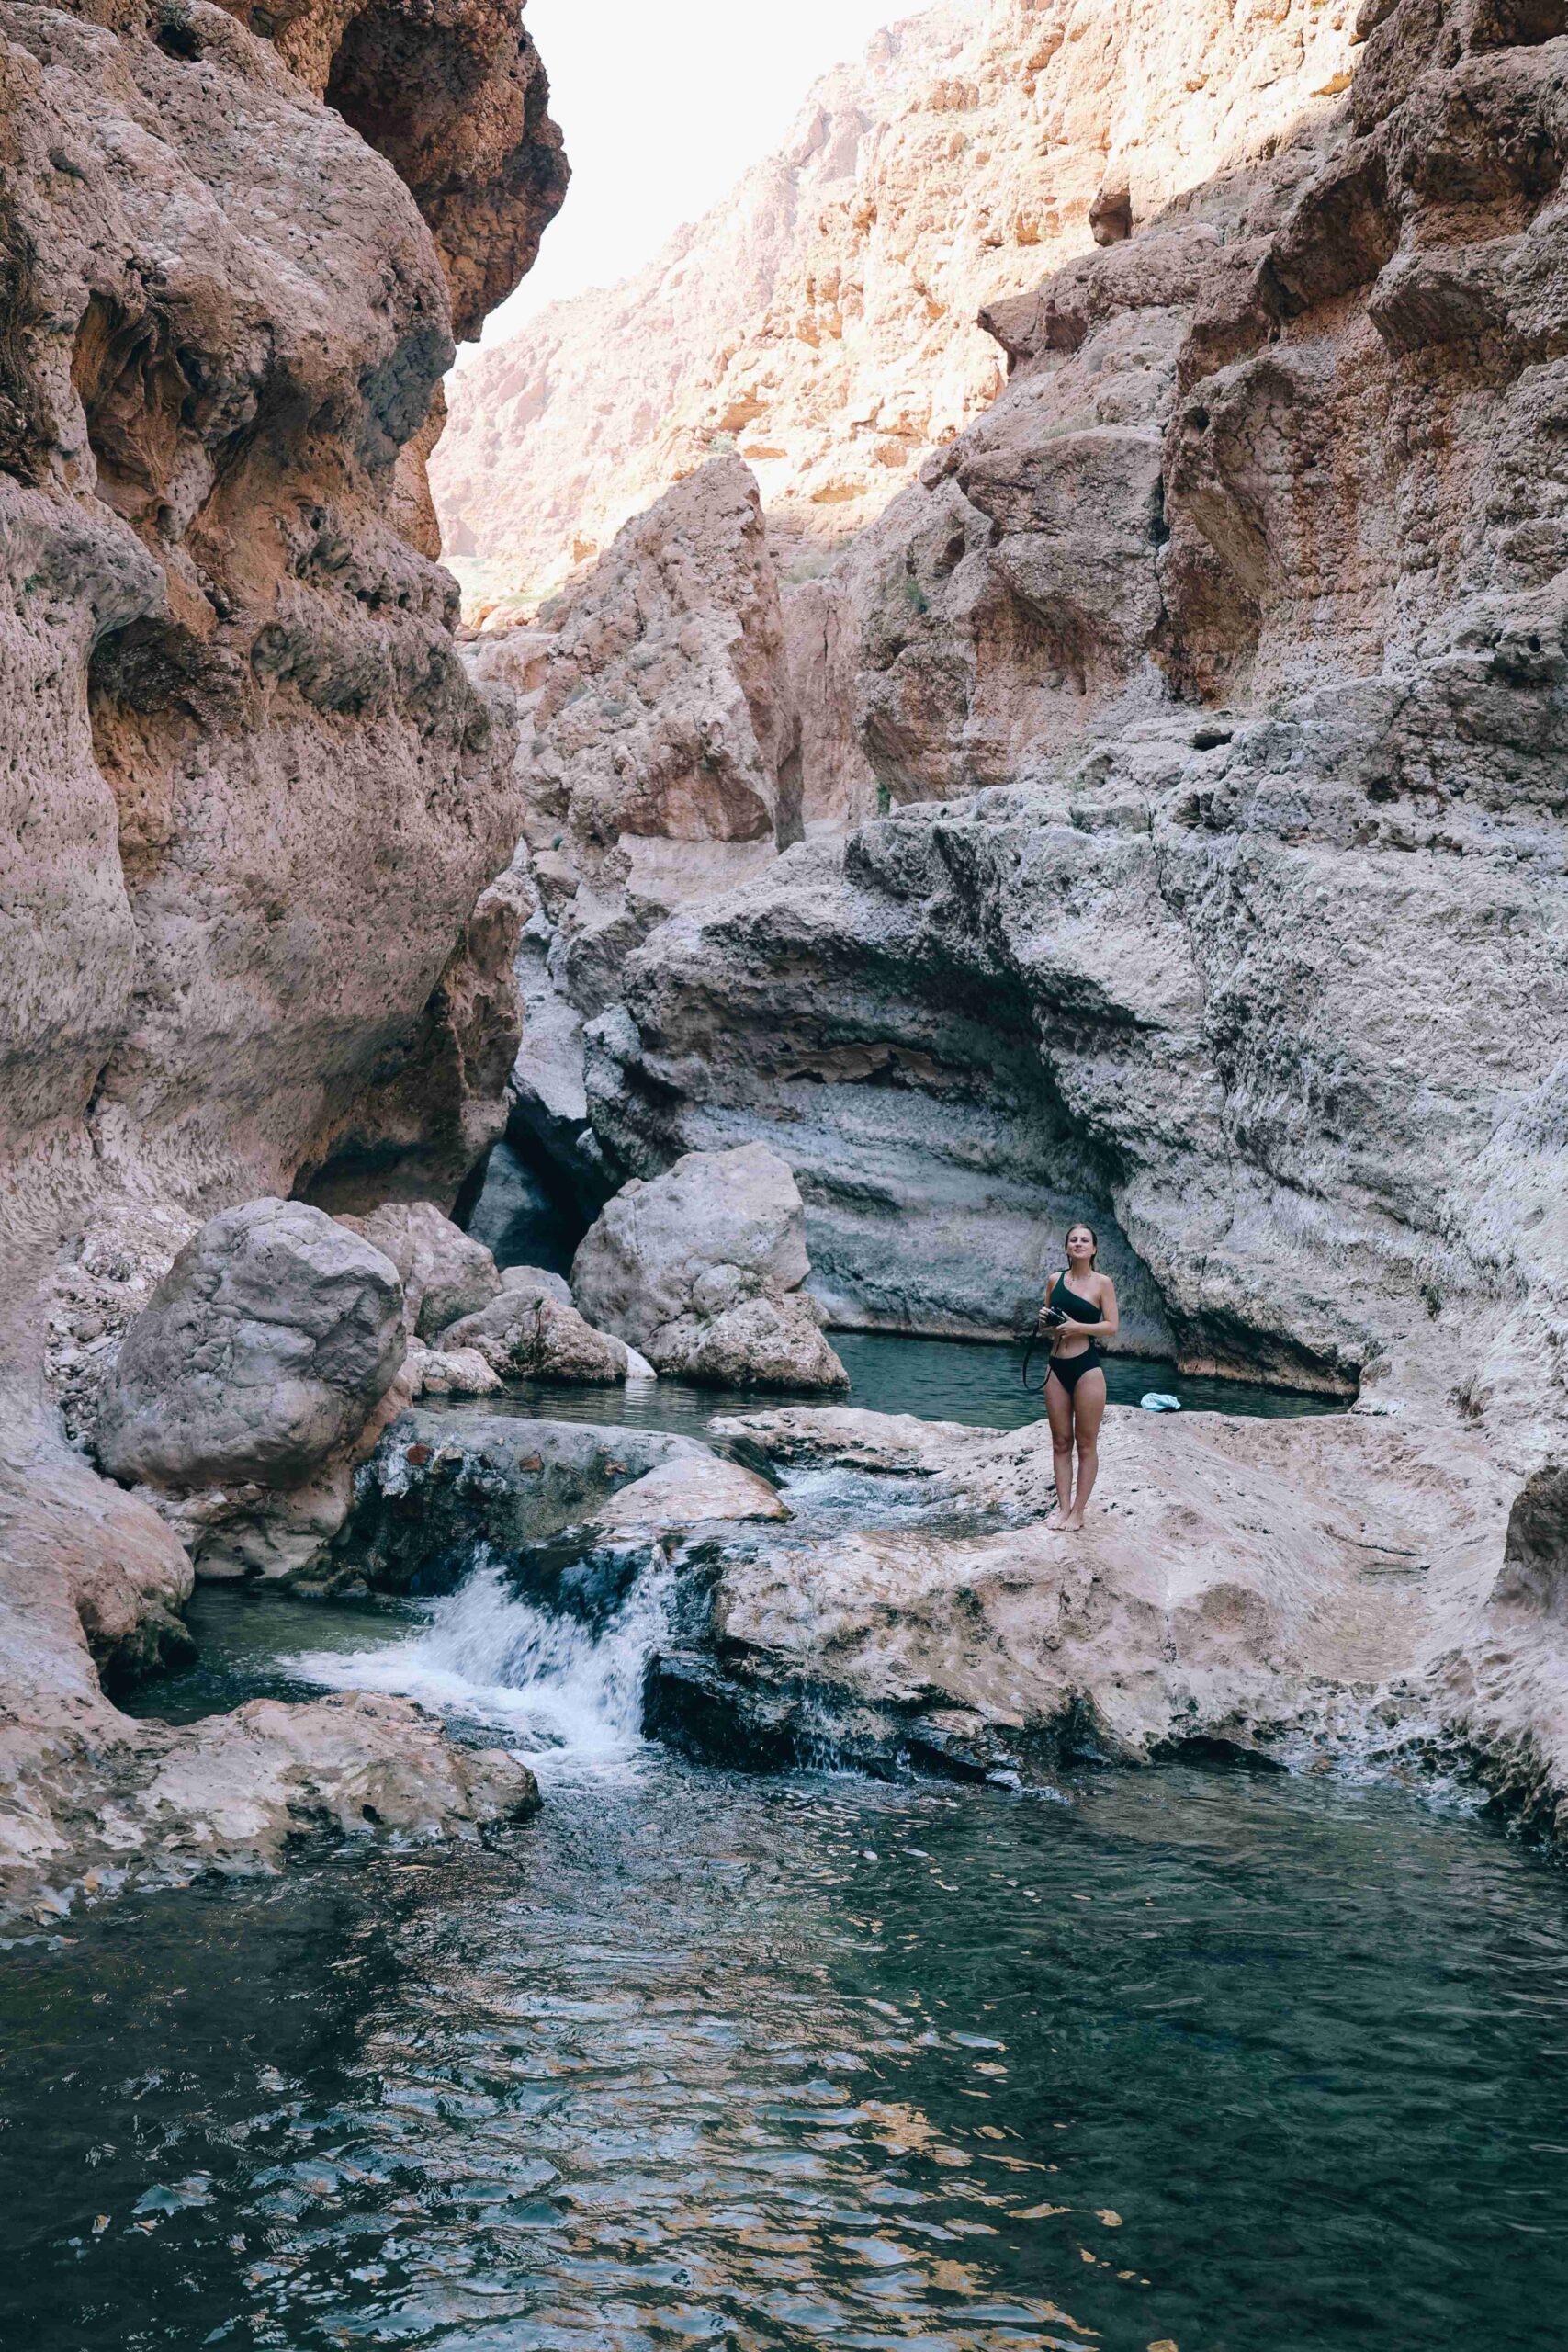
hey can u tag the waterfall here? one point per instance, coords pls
(557, 1686)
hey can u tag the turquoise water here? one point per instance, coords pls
(958, 1380)
(1230, 2064)
(940, 1380)
(1180, 2058)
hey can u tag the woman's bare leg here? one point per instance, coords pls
(1059, 1411)
(1089, 1411)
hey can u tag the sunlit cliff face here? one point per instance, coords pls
(823, 322)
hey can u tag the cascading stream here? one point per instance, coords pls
(560, 1686)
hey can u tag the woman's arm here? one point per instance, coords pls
(1109, 1313)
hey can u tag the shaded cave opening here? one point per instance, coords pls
(523, 1206)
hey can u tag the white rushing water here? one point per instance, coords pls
(564, 1691)
(561, 1688)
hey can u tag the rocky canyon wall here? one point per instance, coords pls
(823, 322)
(256, 797)
(1180, 761)
(1213, 683)
(253, 807)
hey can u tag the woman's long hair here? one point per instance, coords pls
(1094, 1253)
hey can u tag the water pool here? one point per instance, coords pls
(1175, 2059)
(941, 1380)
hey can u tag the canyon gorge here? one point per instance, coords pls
(1153, 812)
(1016, 673)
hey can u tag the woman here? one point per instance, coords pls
(1080, 1307)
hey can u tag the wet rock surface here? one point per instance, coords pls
(439, 1490)
(1282, 1591)
(92, 1585)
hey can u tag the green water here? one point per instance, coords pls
(1174, 2058)
(940, 1380)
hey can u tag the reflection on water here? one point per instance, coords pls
(1208, 2061)
(1160, 2060)
(941, 1380)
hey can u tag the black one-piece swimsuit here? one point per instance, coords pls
(1070, 1370)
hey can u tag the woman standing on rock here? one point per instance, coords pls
(1080, 1307)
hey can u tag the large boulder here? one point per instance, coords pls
(445, 1274)
(447, 1371)
(702, 1269)
(535, 1280)
(244, 1387)
(270, 1339)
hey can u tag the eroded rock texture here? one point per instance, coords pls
(444, 1273)
(251, 799)
(1244, 607)
(704, 1268)
(1296, 1590)
(822, 320)
(1213, 687)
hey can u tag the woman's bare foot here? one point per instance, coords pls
(1073, 1523)
(1057, 1520)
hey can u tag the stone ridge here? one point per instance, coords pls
(822, 322)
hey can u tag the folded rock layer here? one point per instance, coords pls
(1180, 761)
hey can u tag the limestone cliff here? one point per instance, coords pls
(658, 761)
(252, 800)
(1243, 607)
(822, 322)
(1213, 684)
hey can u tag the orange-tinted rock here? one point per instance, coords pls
(822, 322)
